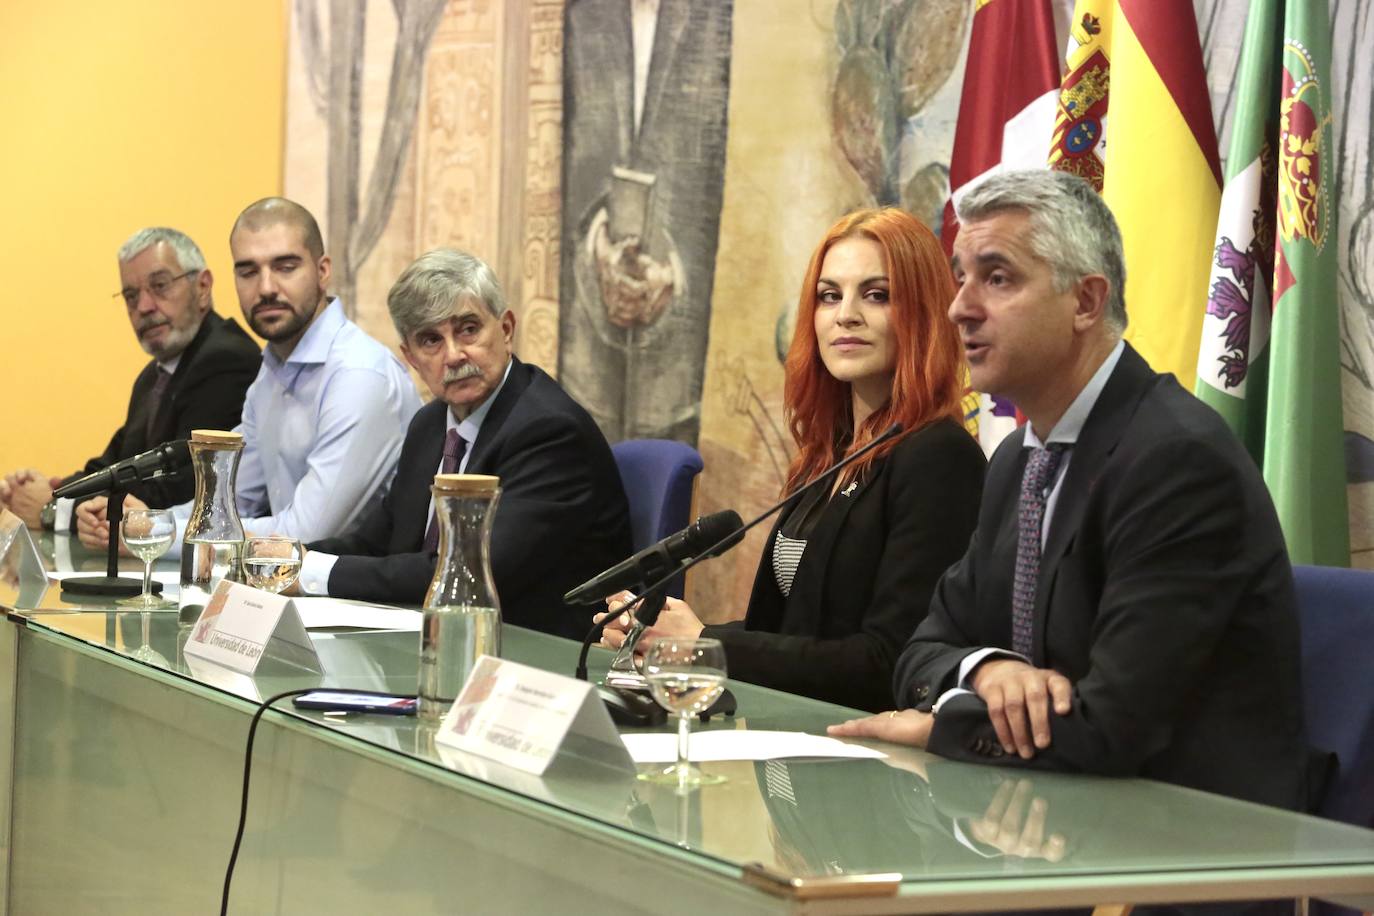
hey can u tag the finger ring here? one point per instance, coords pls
(892, 715)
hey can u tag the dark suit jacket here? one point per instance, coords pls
(206, 392)
(562, 517)
(866, 576)
(1165, 596)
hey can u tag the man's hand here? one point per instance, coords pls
(93, 523)
(26, 492)
(908, 726)
(676, 619)
(1015, 824)
(1019, 697)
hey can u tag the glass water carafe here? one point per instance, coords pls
(462, 615)
(212, 545)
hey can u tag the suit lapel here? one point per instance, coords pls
(411, 517)
(810, 580)
(1106, 424)
(162, 428)
(1001, 510)
(519, 379)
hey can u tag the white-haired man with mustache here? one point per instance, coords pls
(562, 517)
(202, 365)
(324, 420)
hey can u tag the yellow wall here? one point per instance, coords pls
(115, 116)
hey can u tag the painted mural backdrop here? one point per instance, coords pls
(819, 106)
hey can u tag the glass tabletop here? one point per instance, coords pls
(912, 813)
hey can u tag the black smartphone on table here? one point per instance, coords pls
(390, 704)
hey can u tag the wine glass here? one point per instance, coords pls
(147, 533)
(686, 676)
(146, 653)
(272, 563)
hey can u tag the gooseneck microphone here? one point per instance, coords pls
(706, 537)
(725, 542)
(167, 458)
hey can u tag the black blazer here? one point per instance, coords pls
(1165, 595)
(206, 392)
(562, 517)
(866, 576)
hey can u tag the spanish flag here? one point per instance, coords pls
(1135, 120)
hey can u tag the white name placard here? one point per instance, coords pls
(524, 717)
(241, 627)
(21, 565)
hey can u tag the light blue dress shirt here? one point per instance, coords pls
(322, 431)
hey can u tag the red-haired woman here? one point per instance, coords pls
(849, 569)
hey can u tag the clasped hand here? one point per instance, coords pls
(1019, 697)
(676, 619)
(93, 521)
(26, 492)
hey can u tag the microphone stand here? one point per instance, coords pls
(646, 607)
(112, 584)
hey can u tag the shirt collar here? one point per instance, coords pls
(170, 365)
(469, 427)
(313, 347)
(1071, 424)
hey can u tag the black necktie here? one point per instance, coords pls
(155, 398)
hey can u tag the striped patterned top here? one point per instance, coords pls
(787, 554)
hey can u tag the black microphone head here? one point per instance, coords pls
(706, 531)
(177, 454)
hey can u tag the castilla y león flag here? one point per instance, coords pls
(1006, 115)
(1134, 118)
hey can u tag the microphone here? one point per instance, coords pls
(167, 458)
(725, 543)
(715, 533)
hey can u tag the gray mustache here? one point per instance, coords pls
(467, 370)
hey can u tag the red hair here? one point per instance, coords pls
(926, 383)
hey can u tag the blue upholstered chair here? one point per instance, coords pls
(1336, 608)
(658, 475)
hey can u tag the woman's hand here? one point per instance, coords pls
(676, 619)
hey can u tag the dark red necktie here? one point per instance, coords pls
(454, 446)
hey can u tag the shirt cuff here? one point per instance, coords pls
(62, 520)
(948, 695)
(314, 577)
(966, 669)
(974, 659)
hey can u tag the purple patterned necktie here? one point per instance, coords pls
(155, 398)
(1037, 477)
(454, 446)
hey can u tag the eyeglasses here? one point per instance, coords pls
(157, 286)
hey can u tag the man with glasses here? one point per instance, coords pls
(202, 366)
(324, 420)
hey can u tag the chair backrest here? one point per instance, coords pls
(1336, 609)
(658, 476)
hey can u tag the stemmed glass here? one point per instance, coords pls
(146, 653)
(147, 533)
(686, 676)
(272, 563)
